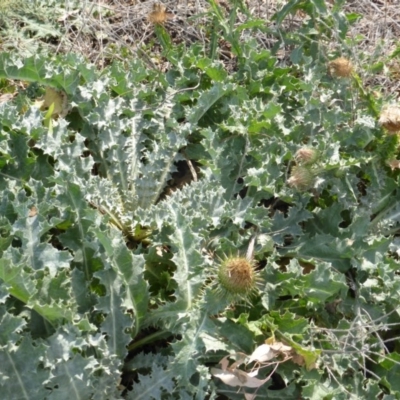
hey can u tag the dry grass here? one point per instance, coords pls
(377, 36)
(115, 29)
(118, 29)
(105, 30)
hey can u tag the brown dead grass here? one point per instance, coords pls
(104, 30)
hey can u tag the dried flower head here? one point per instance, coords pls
(340, 67)
(237, 278)
(301, 178)
(159, 15)
(390, 118)
(306, 156)
(393, 164)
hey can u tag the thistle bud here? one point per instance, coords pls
(390, 118)
(340, 67)
(306, 156)
(301, 178)
(237, 278)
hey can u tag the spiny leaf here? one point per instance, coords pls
(19, 362)
(130, 269)
(117, 322)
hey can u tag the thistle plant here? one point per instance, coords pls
(108, 286)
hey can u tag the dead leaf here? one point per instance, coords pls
(6, 97)
(262, 354)
(298, 359)
(239, 378)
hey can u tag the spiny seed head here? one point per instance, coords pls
(301, 178)
(390, 118)
(237, 278)
(340, 67)
(306, 156)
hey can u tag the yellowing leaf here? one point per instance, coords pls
(59, 101)
(306, 357)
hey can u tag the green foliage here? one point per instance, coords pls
(25, 25)
(109, 269)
